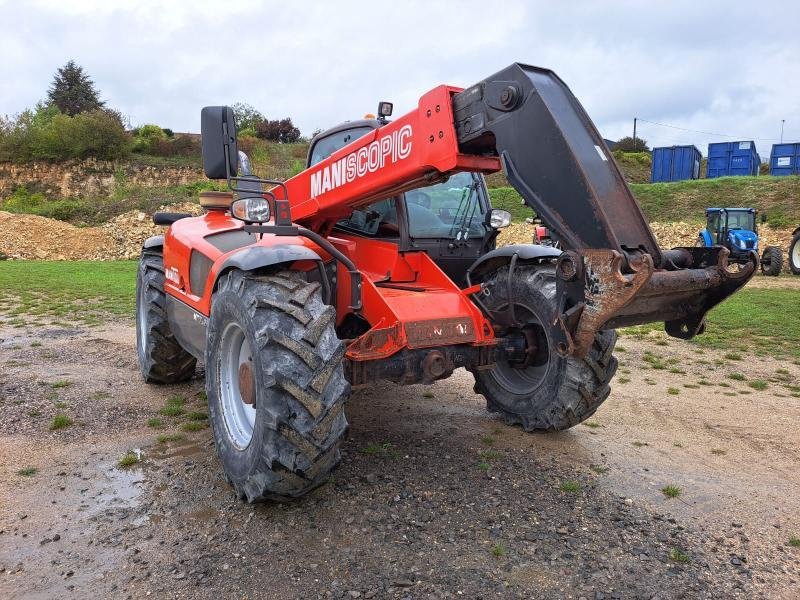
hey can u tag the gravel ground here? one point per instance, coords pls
(434, 498)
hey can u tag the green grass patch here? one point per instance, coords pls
(84, 291)
(489, 455)
(166, 438)
(592, 424)
(766, 321)
(498, 550)
(758, 384)
(678, 556)
(194, 425)
(794, 542)
(733, 356)
(682, 200)
(570, 487)
(155, 423)
(598, 469)
(384, 450)
(673, 391)
(197, 415)
(128, 459)
(60, 421)
(27, 471)
(60, 384)
(173, 407)
(487, 440)
(671, 491)
(718, 451)
(736, 376)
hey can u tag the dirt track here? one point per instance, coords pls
(435, 498)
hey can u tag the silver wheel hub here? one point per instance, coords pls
(236, 385)
(796, 254)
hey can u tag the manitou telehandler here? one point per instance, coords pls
(379, 262)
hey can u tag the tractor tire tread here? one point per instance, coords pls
(306, 402)
(161, 357)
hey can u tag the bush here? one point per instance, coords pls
(46, 134)
(282, 131)
(627, 144)
(147, 137)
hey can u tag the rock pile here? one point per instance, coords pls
(669, 235)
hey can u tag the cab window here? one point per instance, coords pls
(330, 144)
(452, 209)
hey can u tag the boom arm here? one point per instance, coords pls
(526, 120)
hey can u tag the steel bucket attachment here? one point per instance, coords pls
(612, 273)
(595, 294)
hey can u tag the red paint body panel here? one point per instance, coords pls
(407, 299)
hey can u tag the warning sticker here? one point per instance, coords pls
(784, 161)
(744, 145)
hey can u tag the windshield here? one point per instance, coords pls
(450, 209)
(741, 220)
(330, 144)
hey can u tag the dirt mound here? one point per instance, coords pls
(33, 237)
(38, 238)
(130, 229)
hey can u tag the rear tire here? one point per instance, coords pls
(794, 254)
(557, 392)
(772, 261)
(161, 358)
(278, 329)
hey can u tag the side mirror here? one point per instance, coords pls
(499, 218)
(218, 131)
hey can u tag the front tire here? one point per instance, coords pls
(161, 358)
(772, 261)
(553, 393)
(794, 254)
(275, 384)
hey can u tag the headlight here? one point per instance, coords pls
(251, 210)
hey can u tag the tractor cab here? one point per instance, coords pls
(451, 219)
(736, 230)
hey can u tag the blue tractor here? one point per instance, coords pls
(735, 228)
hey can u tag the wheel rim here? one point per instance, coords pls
(239, 416)
(796, 255)
(141, 314)
(524, 381)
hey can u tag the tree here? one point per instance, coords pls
(627, 144)
(72, 91)
(282, 131)
(247, 117)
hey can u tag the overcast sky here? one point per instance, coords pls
(722, 67)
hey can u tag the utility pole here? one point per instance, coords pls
(634, 134)
(782, 122)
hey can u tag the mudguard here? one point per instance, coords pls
(706, 237)
(257, 257)
(157, 241)
(491, 261)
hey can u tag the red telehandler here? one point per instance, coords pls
(379, 262)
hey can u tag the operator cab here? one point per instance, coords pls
(449, 219)
(734, 228)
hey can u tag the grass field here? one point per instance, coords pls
(777, 197)
(84, 291)
(752, 321)
(756, 321)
